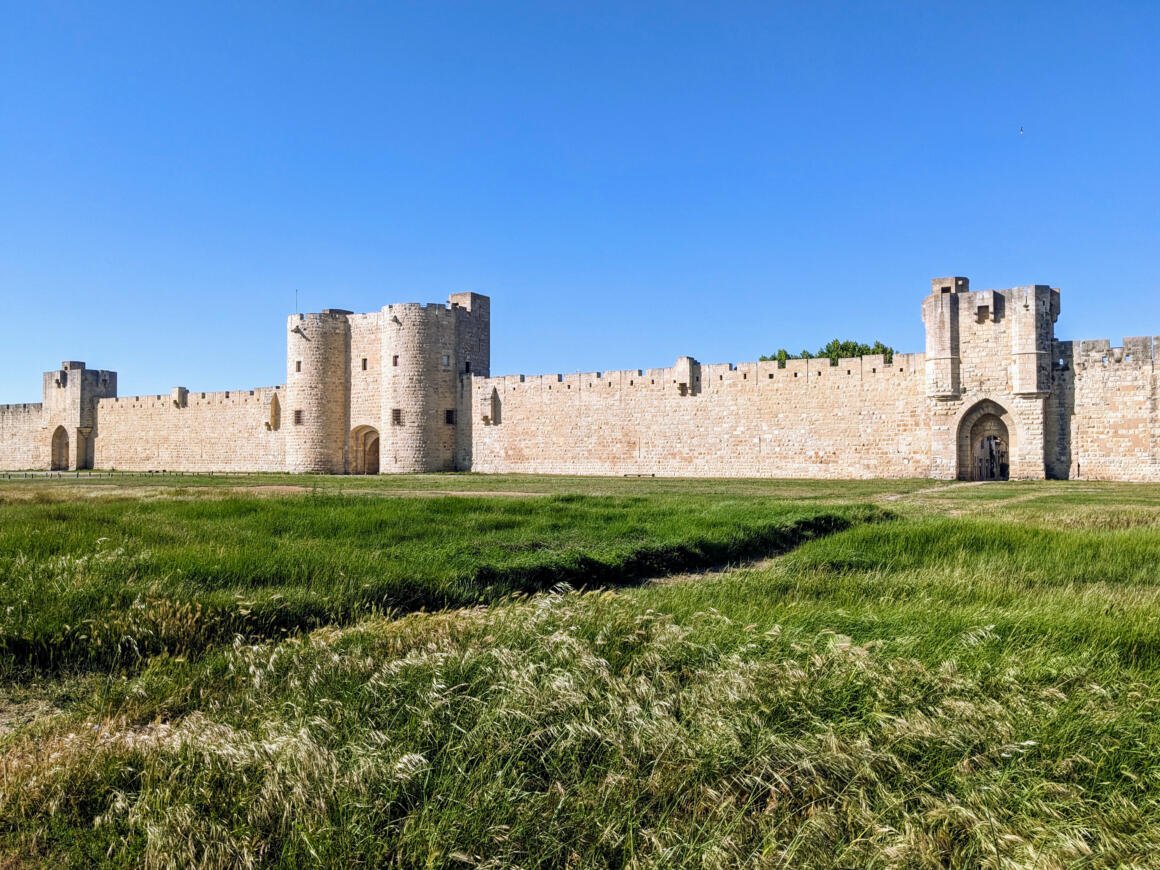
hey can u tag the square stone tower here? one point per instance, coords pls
(988, 375)
(70, 413)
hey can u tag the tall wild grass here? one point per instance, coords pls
(107, 583)
(975, 683)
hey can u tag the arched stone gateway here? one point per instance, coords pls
(59, 458)
(364, 450)
(985, 442)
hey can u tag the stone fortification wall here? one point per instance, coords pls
(408, 389)
(861, 418)
(237, 430)
(24, 445)
(1106, 424)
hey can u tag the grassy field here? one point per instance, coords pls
(109, 581)
(258, 671)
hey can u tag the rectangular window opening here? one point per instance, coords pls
(364, 363)
(297, 418)
(396, 416)
(449, 417)
(395, 360)
(298, 365)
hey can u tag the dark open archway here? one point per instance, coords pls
(59, 456)
(364, 450)
(985, 442)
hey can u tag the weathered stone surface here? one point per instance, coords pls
(408, 389)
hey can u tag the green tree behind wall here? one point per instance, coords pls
(833, 351)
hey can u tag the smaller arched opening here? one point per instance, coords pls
(491, 408)
(364, 450)
(985, 443)
(59, 456)
(274, 423)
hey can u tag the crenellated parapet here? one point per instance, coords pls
(1136, 350)
(408, 388)
(970, 330)
(688, 378)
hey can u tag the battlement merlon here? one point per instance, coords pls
(1142, 350)
(476, 303)
(956, 284)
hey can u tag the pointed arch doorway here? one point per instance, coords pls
(364, 450)
(985, 443)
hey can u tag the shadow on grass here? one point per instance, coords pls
(122, 640)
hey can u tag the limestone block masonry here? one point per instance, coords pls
(408, 388)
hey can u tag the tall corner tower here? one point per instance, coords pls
(426, 349)
(317, 391)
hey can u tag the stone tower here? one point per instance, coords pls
(408, 360)
(70, 413)
(317, 412)
(988, 378)
(426, 349)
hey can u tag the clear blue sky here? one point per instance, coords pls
(628, 181)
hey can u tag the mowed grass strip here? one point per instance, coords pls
(106, 583)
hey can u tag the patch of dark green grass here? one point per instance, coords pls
(106, 583)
